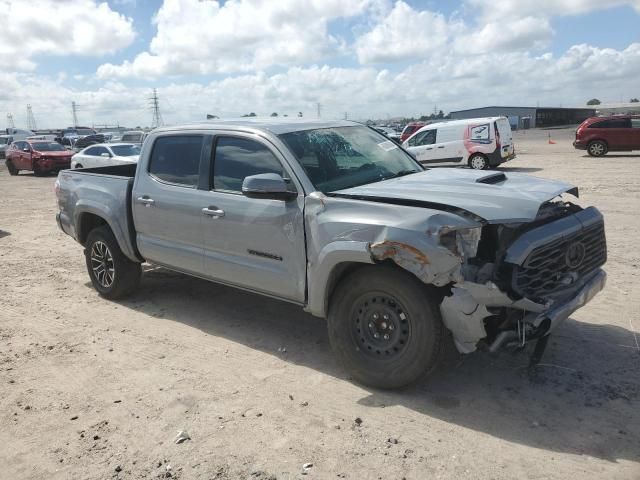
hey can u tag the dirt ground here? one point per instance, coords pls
(93, 389)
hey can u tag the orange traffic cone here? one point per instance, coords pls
(551, 142)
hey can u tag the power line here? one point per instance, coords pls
(31, 120)
(10, 122)
(74, 112)
(157, 120)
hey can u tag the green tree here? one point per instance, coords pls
(634, 100)
(274, 114)
(593, 101)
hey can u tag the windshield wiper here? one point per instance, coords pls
(401, 173)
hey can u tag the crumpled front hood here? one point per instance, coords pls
(514, 199)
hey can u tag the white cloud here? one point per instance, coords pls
(582, 72)
(196, 37)
(491, 9)
(59, 27)
(404, 33)
(526, 33)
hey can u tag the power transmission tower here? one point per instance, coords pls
(10, 122)
(155, 108)
(74, 111)
(31, 120)
(319, 107)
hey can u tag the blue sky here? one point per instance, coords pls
(369, 58)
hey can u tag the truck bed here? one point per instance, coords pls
(112, 170)
(101, 191)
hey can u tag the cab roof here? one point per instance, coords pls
(276, 126)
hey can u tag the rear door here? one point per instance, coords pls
(616, 132)
(635, 134)
(503, 133)
(167, 202)
(449, 147)
(253, 243)
(422, 145)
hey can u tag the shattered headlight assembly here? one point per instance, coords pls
(462, 242)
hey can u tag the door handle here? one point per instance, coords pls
(213, 212)
(146, 201)
(429, 148)
(441, 146)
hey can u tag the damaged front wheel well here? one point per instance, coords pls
(342, 270)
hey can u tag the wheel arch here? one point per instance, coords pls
(88, 217)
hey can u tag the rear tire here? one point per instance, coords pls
(78, 165)
(13, 171)
(597, 148)
(385, 327)
(112, 274)
(477, 161)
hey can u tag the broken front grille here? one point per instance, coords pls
(561, 263)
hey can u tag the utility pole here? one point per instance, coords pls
(10, 122)
(319, 107)
(346, 115)
(74, 112)
(31, 120)
(155, 108)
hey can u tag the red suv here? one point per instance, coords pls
(39, 156)
(410, 129)
(599, 135)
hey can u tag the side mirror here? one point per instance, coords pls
(26, 149)
(266, 185)
(105, 154)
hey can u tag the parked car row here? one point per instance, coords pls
(43, 157)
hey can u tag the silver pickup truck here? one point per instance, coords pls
(338, 219)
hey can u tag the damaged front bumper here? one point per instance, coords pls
(465, 311)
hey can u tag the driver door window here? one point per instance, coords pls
(426, 137)
(237, 158)
(92, 152)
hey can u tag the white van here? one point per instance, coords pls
(478, 142)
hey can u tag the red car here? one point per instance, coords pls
(410, 129)
(39, 156)
(599, 135)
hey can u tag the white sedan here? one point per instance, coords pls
(104, 154)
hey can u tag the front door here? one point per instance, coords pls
(24, 158)
(249, 242)
(167, 204)
(422, 146)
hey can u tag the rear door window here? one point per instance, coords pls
(176, 159)
(635, 123)
(237, 158)
(613, 123)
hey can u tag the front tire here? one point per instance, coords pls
(13, 171)
(38, 172)
(597, 148)
(112, 274)
(78, 165)
(477, 161)
(385, 327)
